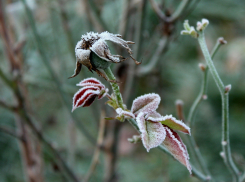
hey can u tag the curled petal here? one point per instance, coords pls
(176, 147)
(101, 49)
(116, 39)
(152, 133)
(85, 97)
(91, 82)
(122, 112)
(172, 123)
(145, 103)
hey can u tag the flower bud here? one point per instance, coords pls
(227, 88)
(202, 66)
(221, 40)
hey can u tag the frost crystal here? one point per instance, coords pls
(152, 133)
(126, 114)
(145, 103)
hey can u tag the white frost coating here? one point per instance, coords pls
(152, 134)
(182, 127)
(122, 112)
(90, 35)
(88, 94)
(91, 82)
(177, 149)
(101, 49)
(145, 103)
(79, 45)
(114, 38)
(82, 54)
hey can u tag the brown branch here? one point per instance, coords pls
(11, 133)
(100, 140)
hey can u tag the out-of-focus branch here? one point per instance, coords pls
(11, 132)
(124, 18)
(46, 62)
(179, 108)
(96, 155)
(180, 9)
(163, 45)
(95, 11)
(138, 39)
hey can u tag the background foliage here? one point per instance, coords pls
(61, 23)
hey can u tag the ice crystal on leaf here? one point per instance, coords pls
(156, 129)
(85, 96)
(152, 133)
(145, 103)
(95, 43)
(126, 114)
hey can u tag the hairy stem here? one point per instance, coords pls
(225, 109)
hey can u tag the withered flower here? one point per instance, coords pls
(93, 52)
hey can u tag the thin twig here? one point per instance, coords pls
(201, 96)
(162, 46)
(46, 62)
(96, 155)
(225, 109)
(138, 39)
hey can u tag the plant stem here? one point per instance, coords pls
(225, 109)
(118, 95)
(202, 92)
(115, 87)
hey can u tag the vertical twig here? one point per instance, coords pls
(138, 40)
(225, 109)
(96, 155)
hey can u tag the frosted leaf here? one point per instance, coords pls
(101, 49)
(145, 103)
(122, 112)
(172, 123)
(85, 97)
(152, 133)
(177, 148)
(91, 82)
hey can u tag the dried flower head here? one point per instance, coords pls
(93, 52)
(85, 96)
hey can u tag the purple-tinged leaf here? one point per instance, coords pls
(85, 97)
(152, 133)
(91, 82)
(176, 147)
(172, 123)
(145, 103)
(122, 112)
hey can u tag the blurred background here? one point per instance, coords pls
(41, 140)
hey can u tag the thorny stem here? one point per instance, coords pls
(118, 95)
(225, 109)
(46, 62)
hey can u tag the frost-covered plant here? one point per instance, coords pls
(94, 44)
(155, 129)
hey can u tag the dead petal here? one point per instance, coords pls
(77, 69)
